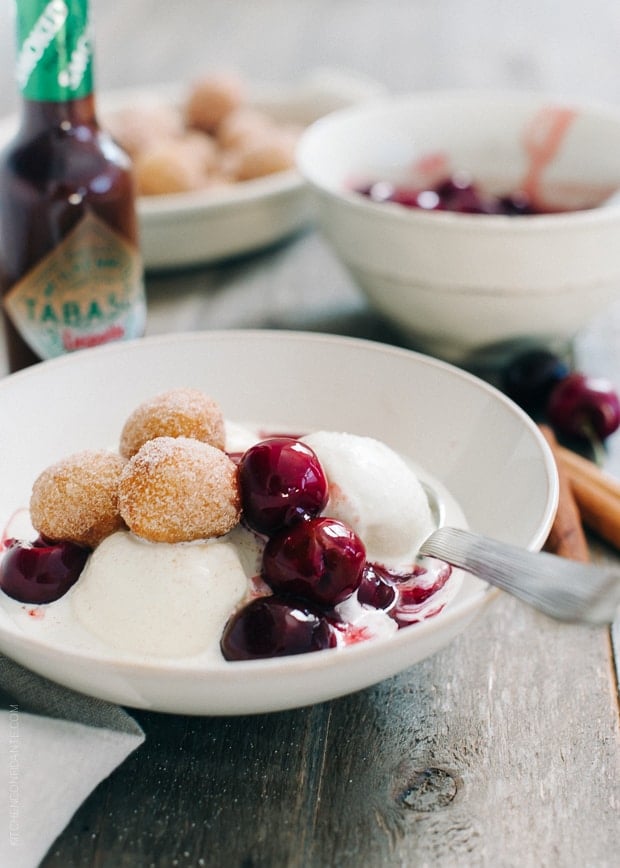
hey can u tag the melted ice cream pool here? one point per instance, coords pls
(145, 600)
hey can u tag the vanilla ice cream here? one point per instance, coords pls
(159, 599)
(375, 492)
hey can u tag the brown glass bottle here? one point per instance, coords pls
(71, 270)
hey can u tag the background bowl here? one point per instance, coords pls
(467, 286)
(485, 451)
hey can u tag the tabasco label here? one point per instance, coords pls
(87, 291)
(54, 50)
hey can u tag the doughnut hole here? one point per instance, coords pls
(76, 499)
(201, 148)
(176, 165)
(242, 127)
(218, 180)
(271, 153)
(176, 413)
(177, 490)
(211, 99)
(139, 128)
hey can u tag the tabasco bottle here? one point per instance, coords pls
(69, 257)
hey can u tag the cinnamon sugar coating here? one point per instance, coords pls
(212, 98)
(139, 127)
(76, 499)
(266, 154)
(176, 165)
(241, 126)
(177, 413)
(177, 489)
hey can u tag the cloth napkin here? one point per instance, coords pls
(57, 746)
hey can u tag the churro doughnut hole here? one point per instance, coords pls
(241, 126)
(140, 127)
(76, 499)
(270, 153)
(202, 148)
(176, 489)
(162, 170)
(176, 166)
(212, 98)
(181, 412)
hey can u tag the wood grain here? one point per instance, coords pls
(500, 745)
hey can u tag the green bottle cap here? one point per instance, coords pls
(54, 50)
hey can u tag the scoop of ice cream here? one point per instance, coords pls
(160, 599)
(374, 491)
(238, 437)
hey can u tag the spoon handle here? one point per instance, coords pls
(564, 589)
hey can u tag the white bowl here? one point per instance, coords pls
(484, 450)
(458, 285)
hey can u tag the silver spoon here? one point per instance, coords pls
(564, 589)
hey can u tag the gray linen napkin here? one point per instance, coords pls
(57, 746)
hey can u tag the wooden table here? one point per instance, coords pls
(501, 750)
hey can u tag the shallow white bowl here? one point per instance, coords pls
(468, 286)
(489, 456)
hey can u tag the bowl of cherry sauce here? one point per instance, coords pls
(473, 221)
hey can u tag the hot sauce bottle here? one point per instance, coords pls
(69, 255)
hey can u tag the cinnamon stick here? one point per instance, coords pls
(597, 494)
(566, 537)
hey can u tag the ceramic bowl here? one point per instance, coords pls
(465, 286)
(476, 445)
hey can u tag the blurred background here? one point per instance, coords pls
(564, 47)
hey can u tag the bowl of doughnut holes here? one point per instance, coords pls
(214, 162)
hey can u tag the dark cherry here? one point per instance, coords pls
(383, 588)
(456, 193)
(582, 406)
(275, 627)
(376, 589)
(530, 377)
(40, 571)
(320, 559)
(281, 481)
(517, 204)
